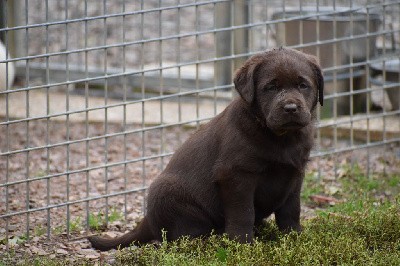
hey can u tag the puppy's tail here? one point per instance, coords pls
(141, 234)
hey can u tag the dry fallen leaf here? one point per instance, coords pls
(62, 251)
(320, 199)
(332, 190)
(341, 172)
(38, 251)
(92, 256)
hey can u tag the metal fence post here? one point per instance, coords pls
(16, 38)
(241, 36)
(230, 42)
(2, 19)
(223, 41)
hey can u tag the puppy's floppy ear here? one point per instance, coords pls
(319, 78)
(244, 80)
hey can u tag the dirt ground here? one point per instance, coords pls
(88, 178)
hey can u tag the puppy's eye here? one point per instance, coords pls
(303, 86)
(271, 87)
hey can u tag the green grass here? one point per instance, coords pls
(364, 238)
(363, 229)
(98, 221)
(14, 240)
(354, 180)
(39, 230)
(58, 230)
(312, 187)
(366, 235)
(394, 181)
(75, 224)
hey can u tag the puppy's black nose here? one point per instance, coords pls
(290, 108)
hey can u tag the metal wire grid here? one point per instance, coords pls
(260, 30)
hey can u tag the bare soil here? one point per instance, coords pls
(70, 168)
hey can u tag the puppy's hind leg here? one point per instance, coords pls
(192, 227)
(140, 235)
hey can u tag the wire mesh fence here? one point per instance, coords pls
(105, 91)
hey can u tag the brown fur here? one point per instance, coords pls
(245, 164)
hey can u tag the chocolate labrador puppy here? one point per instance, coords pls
(245, 164)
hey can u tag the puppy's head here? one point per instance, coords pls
(283, 85)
